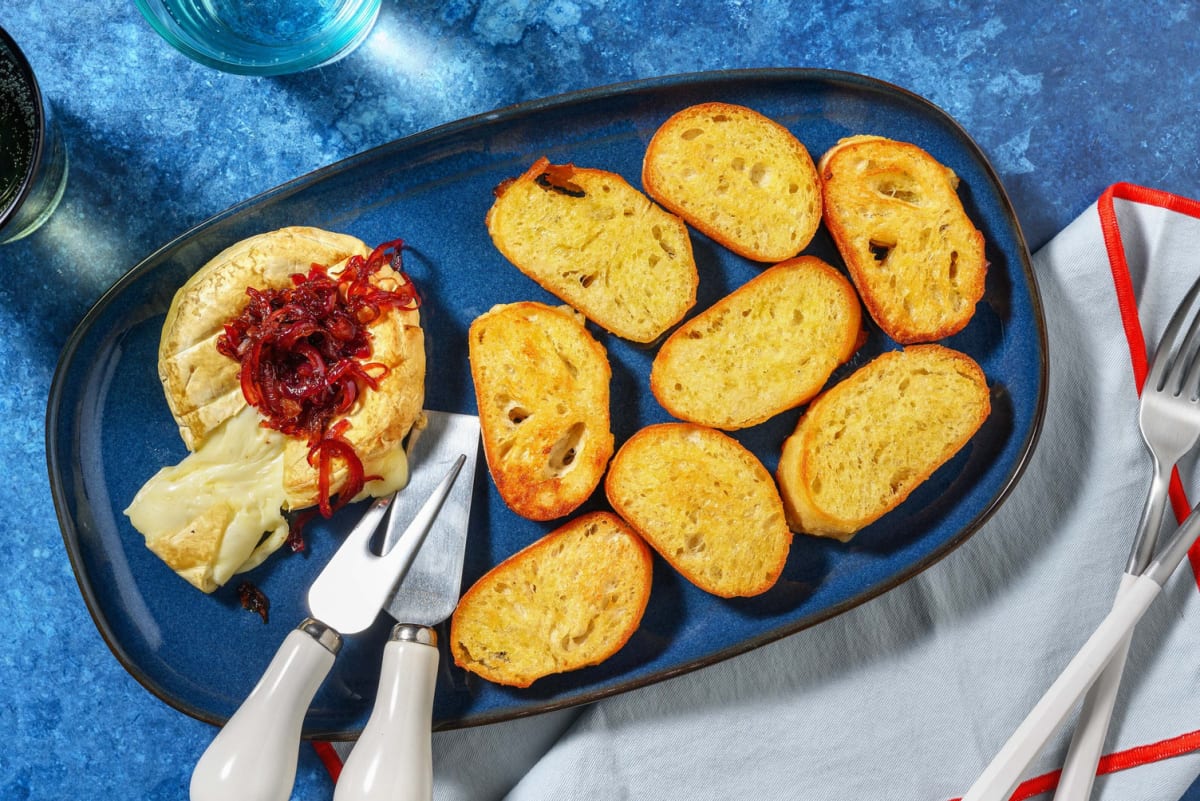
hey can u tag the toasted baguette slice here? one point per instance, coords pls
(594, 241)
(769, 346)
(740, 178)
(862, 447)
(896, 218)
(570, 600)
(542, 386)
(705, 503)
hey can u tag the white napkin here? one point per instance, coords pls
(911, 695)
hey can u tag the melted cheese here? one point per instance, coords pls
(219, 512)
(206, 516)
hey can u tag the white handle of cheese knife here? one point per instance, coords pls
(997, 781)
(253, 757)
(393, 758)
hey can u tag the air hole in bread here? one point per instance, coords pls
(562, 453)
(568, 363)
(691, 133)
(738, 164)
(880, 250)
(953, 265)
(899, 479)
(517, 414)
(662, 243)
(900, 193)
(758, 174)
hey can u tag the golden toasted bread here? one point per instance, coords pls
(737, 176)
(769, 346)
(570, 600)
(542, 388)
(916, 258)
(705, 503)
(591, 239)
(862, 447)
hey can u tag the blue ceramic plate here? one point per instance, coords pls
(108, 428)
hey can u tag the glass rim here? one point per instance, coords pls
(159, 19)
(29, 179)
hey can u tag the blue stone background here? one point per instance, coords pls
(1065, 98)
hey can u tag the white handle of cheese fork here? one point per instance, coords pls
(997, 781)
(253, 757)
(393, 759)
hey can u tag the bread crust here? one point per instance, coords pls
(914, 255)
(542, 389)
(956, 404)
(202, 387)
(767, 347)
(597, 243)
(705, 504)
(570, 600)
(738, 177)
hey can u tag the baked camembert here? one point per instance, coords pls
(294, 364)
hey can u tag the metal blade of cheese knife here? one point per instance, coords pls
(430, 589)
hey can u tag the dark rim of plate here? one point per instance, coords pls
(502, 115)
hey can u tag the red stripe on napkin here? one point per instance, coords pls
(1111, 763)
(329, 758)
(1127, 303)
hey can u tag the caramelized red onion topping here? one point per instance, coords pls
(303, 352)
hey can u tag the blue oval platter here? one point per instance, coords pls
(108, 427)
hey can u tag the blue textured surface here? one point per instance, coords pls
(1063, 103)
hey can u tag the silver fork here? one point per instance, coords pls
(1169, 419)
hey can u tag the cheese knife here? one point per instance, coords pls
(392, 758)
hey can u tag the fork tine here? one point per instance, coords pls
(1164, 355)
(1190, 387)
(1182, 371)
